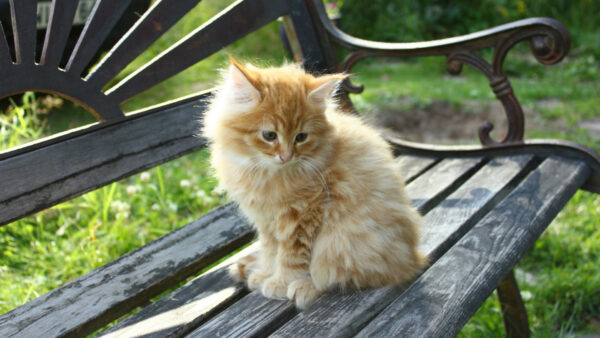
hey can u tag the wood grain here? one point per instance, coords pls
(95, 299)
(459, 211)
(412, 166)
(252, 316)
(433, 185)
(41, 178)
(182, 310)
(342, 315)
(187, 307)
(441, 301)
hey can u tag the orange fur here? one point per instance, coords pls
(330, 210)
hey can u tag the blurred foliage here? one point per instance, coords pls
(415, 20)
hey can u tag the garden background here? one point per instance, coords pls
(559, 277)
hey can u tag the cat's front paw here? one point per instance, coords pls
(274, 287)
(256, 279)
(238, 272)
(241, 269)
(303, 292)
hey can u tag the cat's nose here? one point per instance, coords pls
(285, 157)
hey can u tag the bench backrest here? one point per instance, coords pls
(48, 171)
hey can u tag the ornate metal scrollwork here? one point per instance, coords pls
(503, 90)
(549, 41)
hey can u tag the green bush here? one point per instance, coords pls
(414, 20)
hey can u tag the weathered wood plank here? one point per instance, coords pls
(252, 316)
(342, 315)
(152, 25)
(102, 19)
(23, 14)
(184, 309)
(97, 298)
(412, 166)
(458, 212)
(233, 23)
(58, 31)
(432, 186)
(95, 159)
(441, 301)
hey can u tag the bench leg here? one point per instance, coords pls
(516, 322)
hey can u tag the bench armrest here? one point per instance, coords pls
(549, 39)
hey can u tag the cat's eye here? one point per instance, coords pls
(301, 137)
(269, 135)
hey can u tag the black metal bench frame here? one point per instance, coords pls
(484, 205)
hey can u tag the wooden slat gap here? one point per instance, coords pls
(422, 171)
(430, 204)
(104, 163)
(183, 307)
(484, 210)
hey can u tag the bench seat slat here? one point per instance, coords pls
(343, 315)
(240, 314)
(71, 167)
(185, 308)
(97, 298)
(458, 212)
(441, 301)
(252, 316)
(430, 187)
(412, 166)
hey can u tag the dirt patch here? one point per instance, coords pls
(442, 122)
(592, 126)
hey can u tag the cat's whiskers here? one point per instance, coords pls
(315, 170)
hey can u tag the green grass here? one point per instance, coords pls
(45, 250)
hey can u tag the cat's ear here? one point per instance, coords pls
(325, 87)
(240, 87)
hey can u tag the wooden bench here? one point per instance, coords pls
(484, 206)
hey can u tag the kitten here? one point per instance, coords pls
(320, 187)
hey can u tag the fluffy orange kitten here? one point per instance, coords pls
(320, 187)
